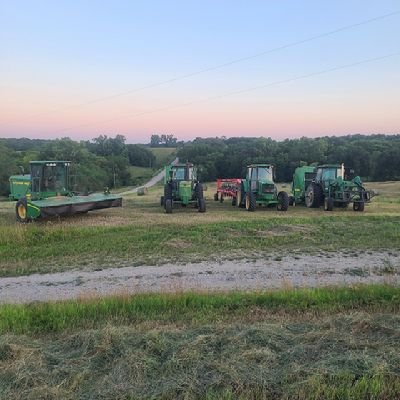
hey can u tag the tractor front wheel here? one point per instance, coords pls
(328, 204)
(250, 202)
(358, 206)
(168, 206)
(202, 205)
(21, 211)
(283, 201)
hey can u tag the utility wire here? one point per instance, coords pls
(223, 65)
(241, 91)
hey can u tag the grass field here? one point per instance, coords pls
(141, 175)
(323, 343)
(164, 155)
(129, 235)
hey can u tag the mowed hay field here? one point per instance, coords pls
(322, 343)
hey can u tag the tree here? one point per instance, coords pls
(8, 166)
(155, 141)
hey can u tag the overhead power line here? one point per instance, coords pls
(241, 91)
(225, 64)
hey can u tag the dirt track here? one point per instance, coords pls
(297, 271)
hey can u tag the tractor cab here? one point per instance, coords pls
(261, 178)
(49, 178)
(182, 172)
(329, 173)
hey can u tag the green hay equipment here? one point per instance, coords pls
(182, 187)
(46, 192)
(329, 185)
(259, 189)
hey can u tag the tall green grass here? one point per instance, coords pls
(201, 307)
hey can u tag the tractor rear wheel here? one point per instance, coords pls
(250, 202)
(313, 196)
(199, 191)
(167, 193)
(240, 198)
(328, 204)
(283, 201)
(168, 198)
(358, 206)
(202, 205)
(168, 206)
(21, 211)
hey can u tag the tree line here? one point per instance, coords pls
(373, 157)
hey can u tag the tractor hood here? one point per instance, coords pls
(266, 187)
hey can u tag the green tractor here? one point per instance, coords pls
(46, 192)
(259, 189)
(329, 185)
(182, 187)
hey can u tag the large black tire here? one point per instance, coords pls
(240, 197)
(167, 193)
(202, 205)
(328, 204)
(216, 197)
(21, 211)
(314, 196)
(168, 197)
(250, 202)
(199, 191)
(168, 206)
(283, 201)
(358, 206)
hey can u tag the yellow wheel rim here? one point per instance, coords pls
(22, 211)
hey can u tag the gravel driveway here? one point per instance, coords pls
(278, 272)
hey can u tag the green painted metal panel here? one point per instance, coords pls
(19, 186)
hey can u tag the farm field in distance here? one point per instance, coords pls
(323, 343)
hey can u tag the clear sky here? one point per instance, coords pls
(71, 68)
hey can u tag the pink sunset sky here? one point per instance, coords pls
(85, 70)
